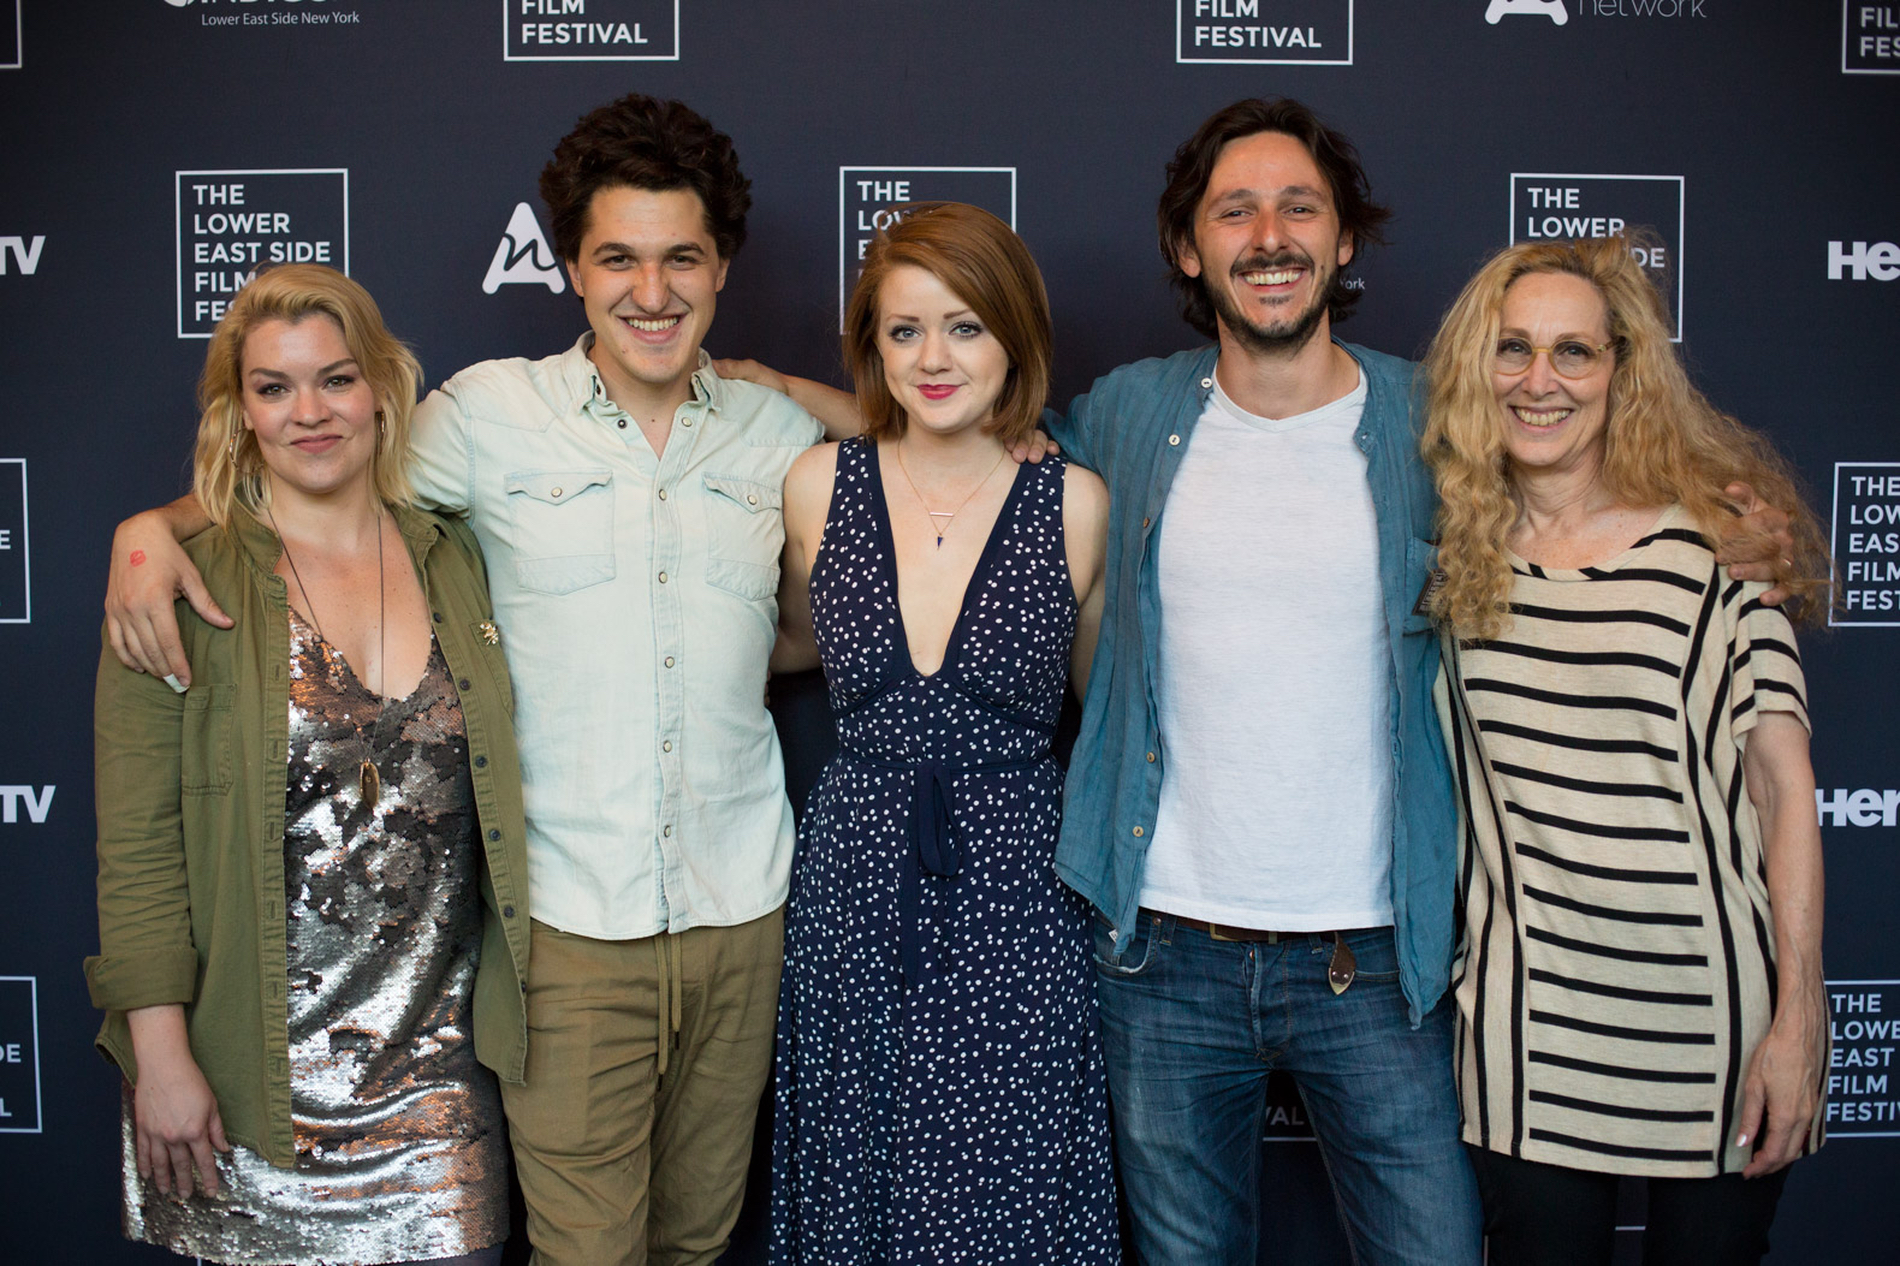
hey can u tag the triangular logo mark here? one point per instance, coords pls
(523, 255)
(1552, 9)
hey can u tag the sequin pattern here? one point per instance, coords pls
(399, 1136)
(962, 1116)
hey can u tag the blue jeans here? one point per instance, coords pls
(1194, 1025)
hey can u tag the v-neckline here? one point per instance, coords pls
(889, 541)
(384, 701)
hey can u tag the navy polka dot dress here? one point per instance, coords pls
(941, 1095)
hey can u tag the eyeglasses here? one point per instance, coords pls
(1570, 357)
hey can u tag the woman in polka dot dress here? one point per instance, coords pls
(941, 1095)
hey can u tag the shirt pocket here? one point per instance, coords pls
(1422, 580)
(204, 741)
(745, 530)
(563, 524)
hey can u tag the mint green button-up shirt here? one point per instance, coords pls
(639, 592)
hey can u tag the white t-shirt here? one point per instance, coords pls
(1274, 687)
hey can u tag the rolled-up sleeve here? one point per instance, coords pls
(441, 469)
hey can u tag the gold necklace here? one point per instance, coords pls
(948, 516)
(369, 780)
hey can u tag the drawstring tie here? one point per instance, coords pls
(934, 845)
(669, 990)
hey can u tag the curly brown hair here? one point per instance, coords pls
(642, 142)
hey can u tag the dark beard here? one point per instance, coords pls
(1278, 339)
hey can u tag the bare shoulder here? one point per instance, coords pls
(1083, 492)
(813, 472)
(808, 487)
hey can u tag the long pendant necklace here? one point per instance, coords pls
(946, 516)
(369, 780)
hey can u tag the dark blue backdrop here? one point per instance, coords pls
(399, 137)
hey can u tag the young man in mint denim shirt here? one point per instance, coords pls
(1259, 805)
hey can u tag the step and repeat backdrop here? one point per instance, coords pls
(156, 152)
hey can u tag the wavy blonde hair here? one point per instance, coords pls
(1664, 442)
(227, 471)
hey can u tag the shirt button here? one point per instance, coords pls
(662, 494)
(1207, 382)
(462, 684)
(667, 831)
(481, 762)
(667, 746)
(437, 615)
(669, 661)
(1139, 832)
(494, 835)
(507, 912)
(751, 499)
(622, 424)
(662, 577)
(555, 492)
(686, 421)
(1145, 521)
(1172, 439)
(1151, 758)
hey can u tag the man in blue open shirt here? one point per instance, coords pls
(1259, 805)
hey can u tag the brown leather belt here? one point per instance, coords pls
(1228, 932)
(1339, 972)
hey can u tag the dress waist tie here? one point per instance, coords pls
(934, 845)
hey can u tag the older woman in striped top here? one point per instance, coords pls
(1640, 984)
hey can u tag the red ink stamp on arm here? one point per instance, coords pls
(138, 557)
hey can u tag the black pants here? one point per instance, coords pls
(1550, 1215)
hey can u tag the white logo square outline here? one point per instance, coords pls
(39, 1105)
(19, 38)
(1847, 8)
(844, 232)
(1833, 1133)
(1351, 20)
(26, 550)
(1833, 541)
(178, 219)
(674, 56)
(1682, 216)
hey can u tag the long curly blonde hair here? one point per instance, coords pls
(1664, 442)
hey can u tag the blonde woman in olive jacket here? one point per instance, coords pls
(312, 876)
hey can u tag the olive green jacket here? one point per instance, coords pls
(191, 795)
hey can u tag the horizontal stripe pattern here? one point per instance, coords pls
(1612, 983)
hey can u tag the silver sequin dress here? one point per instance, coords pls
(401, 1151)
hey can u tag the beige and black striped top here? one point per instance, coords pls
(1617, 966)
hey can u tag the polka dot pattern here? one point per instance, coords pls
(962, 1117)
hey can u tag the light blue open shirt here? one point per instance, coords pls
(1132, 428)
